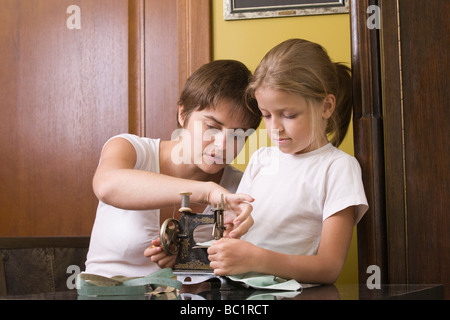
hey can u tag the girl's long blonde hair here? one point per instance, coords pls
(303, 67)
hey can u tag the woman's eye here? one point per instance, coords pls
(211, 127)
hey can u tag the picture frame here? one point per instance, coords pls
(258, 9)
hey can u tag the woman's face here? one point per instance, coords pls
(215, 137)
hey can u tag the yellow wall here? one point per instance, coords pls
(249, 40)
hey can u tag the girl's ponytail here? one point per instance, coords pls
(340, 120)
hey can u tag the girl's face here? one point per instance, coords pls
(216, 137)
(289, 121)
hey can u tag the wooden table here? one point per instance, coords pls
(210, 291)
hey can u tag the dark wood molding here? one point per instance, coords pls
(194, 37)
(368, 136)
(136, 65)
(44, 242)
(395, 195)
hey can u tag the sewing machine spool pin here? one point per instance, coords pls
(219, 226)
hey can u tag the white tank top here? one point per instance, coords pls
(119, 237)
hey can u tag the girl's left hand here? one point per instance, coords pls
(231, 256)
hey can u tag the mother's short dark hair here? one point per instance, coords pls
(217, 81)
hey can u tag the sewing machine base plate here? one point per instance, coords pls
(196, 277)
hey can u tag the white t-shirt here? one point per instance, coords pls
(119, 237)
(294, 194)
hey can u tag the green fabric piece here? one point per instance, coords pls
(267, 282)
(95, 285)
(260, 281)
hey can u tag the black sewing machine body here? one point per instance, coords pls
(177, 237)
(189, 256)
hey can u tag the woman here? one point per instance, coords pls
(139, 179)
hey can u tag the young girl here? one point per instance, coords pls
(308, 194)
(139, 179)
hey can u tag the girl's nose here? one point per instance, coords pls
(276, 124)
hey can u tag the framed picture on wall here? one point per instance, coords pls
(254, 9)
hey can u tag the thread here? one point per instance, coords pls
(185, 202)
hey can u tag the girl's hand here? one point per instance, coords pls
(158, 256)
(231, 256)
(237, 215)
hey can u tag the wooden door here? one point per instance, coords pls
(406, 157)
(73, 73)
(417, 127)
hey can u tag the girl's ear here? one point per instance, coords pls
(329, 105)
(181, 116)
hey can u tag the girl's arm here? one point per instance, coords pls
(230, 257)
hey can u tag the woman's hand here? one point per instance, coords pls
(237, 215)
(231, 256)
(158, 256)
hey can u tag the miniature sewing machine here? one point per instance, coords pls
(177, 237)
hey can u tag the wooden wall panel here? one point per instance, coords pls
(426, 96)
(180, 30)
(416, 125)
(415, 81)
(194, 37)
(161, 78)
(63, 93)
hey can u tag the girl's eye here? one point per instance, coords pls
(290, 116)
(266, 116)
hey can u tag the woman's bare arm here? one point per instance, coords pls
(117, 183)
